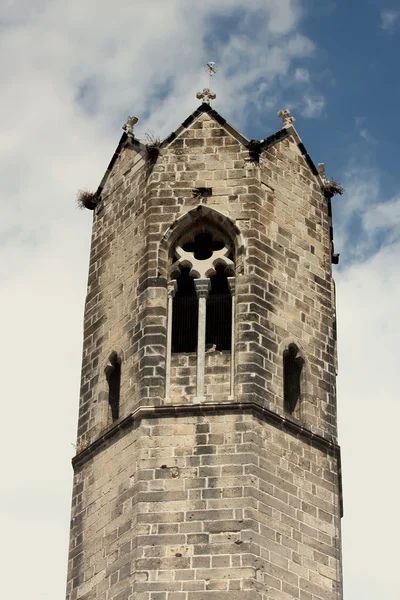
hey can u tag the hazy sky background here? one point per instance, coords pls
(71, 72)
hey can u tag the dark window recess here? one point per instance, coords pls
(219, 313)
(292, 369)
(113, 375)
(203, 246)
(185, 315)
(202, 192)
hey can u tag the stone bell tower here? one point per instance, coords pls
(207, 463)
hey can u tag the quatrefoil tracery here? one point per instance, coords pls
(202, 269)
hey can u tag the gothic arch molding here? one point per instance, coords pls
(194, 221)
(292, 340)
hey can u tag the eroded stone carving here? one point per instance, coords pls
(287, 119)
(206, 95)
(202, 269)
(129, 126)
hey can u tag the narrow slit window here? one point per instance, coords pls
(293, 365)
(113, 375)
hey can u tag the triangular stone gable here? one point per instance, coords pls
(205, 111)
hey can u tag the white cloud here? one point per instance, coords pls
(302, 75)
(368, 287)
(369, 333)
(312, 105)
(389, 19)
(364, 219)
(362, 186)
(363, 131)
(385, 216)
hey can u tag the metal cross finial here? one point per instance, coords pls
(129, 125)
(287, 119)
(210, 68)
(207, 94)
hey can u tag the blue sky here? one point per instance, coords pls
(71, 73)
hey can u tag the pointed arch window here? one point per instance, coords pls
(201, 296)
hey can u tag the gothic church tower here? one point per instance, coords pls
(207, 465)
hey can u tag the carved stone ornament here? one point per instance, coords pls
(322, 173)
(201, 269)
(129, 125)
(287, 119)
(202, 287)
(206, 95)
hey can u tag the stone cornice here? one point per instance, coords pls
(178, 410)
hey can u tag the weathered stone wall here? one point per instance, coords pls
(291, 258)
(217, 378)
(241, 503)
(283, 277)
(113, 311)
(286, 294)
(216, 506)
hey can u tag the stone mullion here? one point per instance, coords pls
(231, 283)
(202, 289)
(172, 287)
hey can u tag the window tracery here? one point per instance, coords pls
(200, 303)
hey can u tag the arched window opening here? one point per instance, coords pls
(293, 365)
(113, 376)
(201, 294)
(219, 312)
(184, 323)
(203, 254)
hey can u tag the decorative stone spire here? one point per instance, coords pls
(287, 119)
(129, 125)
(322, 173)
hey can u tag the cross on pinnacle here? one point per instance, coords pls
(287, 119)
(207, 94)
(129, 125)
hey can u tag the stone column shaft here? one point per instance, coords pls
(172, 287)
(231, 283)
(202, 289)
